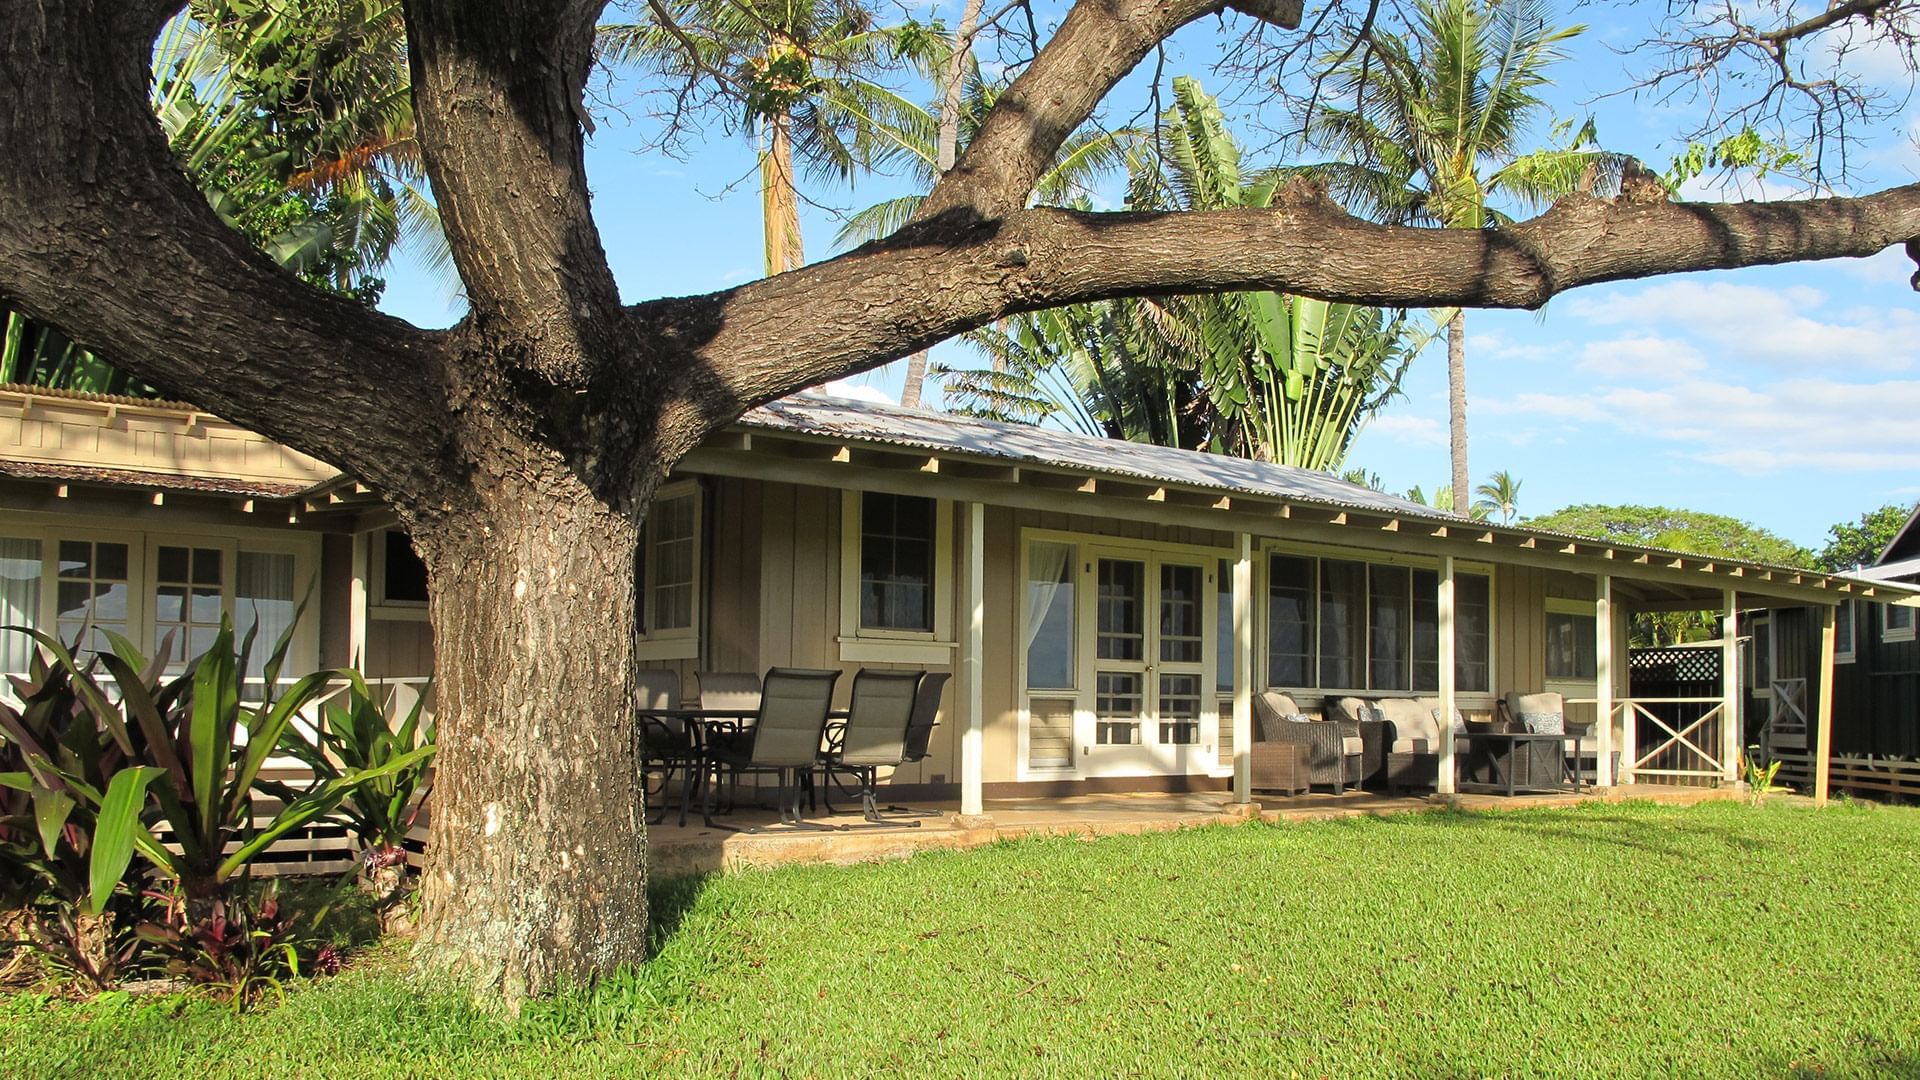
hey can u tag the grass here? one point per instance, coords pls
(1605, 940)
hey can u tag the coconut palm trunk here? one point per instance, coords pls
(1457, 396)
(780, 199)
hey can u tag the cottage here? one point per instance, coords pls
(1107, 609)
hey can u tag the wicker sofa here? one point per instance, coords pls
(1333, 747)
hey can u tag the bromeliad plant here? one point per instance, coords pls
(358, 738)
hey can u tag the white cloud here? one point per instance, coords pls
(1641, 359)
(1751, 322)
(1794, 423)
(1411, 430)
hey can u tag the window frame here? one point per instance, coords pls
(1846, 614)
(1371, 557)
(877, 645)
(1588, 609)
(683, 642)
(1890, 632)
(378, 605)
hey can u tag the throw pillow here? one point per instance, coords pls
(1459, 721)
(1545, 723)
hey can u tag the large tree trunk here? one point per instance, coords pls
(1457, 409)
(536, 868)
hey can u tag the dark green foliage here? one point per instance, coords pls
(1677, 530)
(1859, 543)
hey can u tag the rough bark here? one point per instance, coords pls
(916, 380)
(780, 200)
(537, 842)
(1457, 409)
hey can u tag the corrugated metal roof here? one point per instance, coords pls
(1898, 571)
(150, 481)
(920, 429)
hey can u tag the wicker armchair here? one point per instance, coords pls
(1333, 747)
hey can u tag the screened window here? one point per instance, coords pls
(1572, 650)
(1340, 624)
(896, 562)
(1896, 622)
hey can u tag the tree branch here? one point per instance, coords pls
(102, 234)
(890, 298)
(1097, 44)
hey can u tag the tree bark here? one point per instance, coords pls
(537, 871)
(916, 379)
(780, 200)
(1457, 408)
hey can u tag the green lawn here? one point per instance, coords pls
(1608, 940)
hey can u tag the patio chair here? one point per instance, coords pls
(1413, 744)
(875, 735)
(785, 740)
(1334, 747)
(728, 690)
(1537, 713)
(665, 743)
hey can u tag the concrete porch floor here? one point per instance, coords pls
(696, 849)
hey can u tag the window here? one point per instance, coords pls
(897, 541)
(1224, 645)
(1572, 648)
(19, 600)
(403, 576)
(1344, 624)
(1843, 633)
(92, 589)
(1049, 626)
(264, 602)
(1896, 623)
(189, 598)
(670, 562)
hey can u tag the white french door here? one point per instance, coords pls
(1147, 624)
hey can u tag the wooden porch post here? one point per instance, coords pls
(1243, 672)
(973, 650)
(1603, 679)
(1732, 719)
(1446, 779)
(357, 602)
(1823, 730)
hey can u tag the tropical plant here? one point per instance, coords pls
(1759, 776)
(806, 76)
(1281, 378)
(1501, 494)
(1435, 128)
(34, 353)
(245, 946)
(356, 737)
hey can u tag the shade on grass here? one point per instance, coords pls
(1606, 940)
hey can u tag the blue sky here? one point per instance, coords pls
(1788, 396)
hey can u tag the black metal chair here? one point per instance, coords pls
(879, 718)
(666, 744)
(784, 740)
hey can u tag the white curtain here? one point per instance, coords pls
(1045, 565)
(19, 601)
(263, 597)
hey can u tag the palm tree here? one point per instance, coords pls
(807, 73)
(1502, 493)
(1436, 130)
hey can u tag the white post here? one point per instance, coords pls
(1732, 721)
(1447, 705)
(1823, 723)
(972, 667)
(1603, 680)
(357, 603)
(1243, 672)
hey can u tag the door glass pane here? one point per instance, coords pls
(1181, 638)
(1118, 703)
(1425, 646)
(1050, 609)
(1122, 624)
(1179, 710)
(186, 606)
(1389, 615)
(1290, 588)
(92, 591)
(1343, 644)
(1472, 632)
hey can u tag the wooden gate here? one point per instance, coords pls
(1676, 709)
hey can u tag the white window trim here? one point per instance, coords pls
(1306, 694)
(1560, 605)
(679, 643)
(1846, 612)
(872, 646)
(378, 606)
(1896, 633)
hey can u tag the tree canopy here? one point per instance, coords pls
(1677, 530)
(1859, 543)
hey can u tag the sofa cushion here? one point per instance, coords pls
(1410, 721)
(1352, 709)
(1351, 745)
